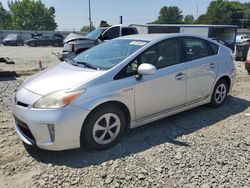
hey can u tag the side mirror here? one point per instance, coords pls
(146, 69)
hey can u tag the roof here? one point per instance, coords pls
(144, 37)
(186, 25)
(152, 37)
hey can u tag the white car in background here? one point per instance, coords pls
(240, 39)
(121, 84)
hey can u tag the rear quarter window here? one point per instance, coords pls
(213, 48)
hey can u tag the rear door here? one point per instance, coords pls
(201, 58)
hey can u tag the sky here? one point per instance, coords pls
(73, 14)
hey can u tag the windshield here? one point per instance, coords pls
(11, 37)
(95, 34)
(108, 54)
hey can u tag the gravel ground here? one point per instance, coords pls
(202, 147)
(27, 58)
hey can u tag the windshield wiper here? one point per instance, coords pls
(86, 65)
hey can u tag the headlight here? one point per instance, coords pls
(58, 99)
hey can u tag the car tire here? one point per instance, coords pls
(237, 59)
(103, 128)
(248, 72)
(56, 44)
(219, 93)
(33, 44)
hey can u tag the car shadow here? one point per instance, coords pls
(166, 130)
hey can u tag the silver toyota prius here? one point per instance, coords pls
(121, 84)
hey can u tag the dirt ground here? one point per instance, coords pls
(202, 147)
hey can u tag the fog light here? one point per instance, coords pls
(51, 128)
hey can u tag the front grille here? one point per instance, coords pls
(22, 104)
(24, 129)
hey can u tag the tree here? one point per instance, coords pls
(223, 12)
(104, 23)
(170, 15)
(5, 18)
(189, 19)
(246, 14)
(86, 28)
(202, 19)
(32, 15)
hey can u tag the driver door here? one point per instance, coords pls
(166, 89)
(111, 33)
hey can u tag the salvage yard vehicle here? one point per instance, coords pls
(240, 39)
(45, 41)
(13, 40)
(75, 44)
(121, 84)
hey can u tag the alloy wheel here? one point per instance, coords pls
(220, 93)
(106, 128)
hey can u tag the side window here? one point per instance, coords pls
(214, 48)
(195, 48)
(111, 33)
(160, 55)
(127, 31)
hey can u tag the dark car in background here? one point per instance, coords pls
(45, 41)
(13, 40)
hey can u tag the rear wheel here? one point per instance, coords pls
(220, 93)
(104, 127)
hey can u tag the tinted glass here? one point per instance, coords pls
(109, 54)
(195, 48)
(112, 33)
(95, 34)
(214, 48)
(128, 31)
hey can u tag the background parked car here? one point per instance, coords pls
(13, 40)
(74, 43)
(242, 39)
(45, 41)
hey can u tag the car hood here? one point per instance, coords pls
(59, 77)
(73, 36)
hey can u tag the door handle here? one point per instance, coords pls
(212, 65)
(179, 76)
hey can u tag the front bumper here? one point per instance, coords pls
(32, 126)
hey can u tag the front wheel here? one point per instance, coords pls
(220, 93)
(103, 128)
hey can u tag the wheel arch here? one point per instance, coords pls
(225, 77)
(119, 104)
